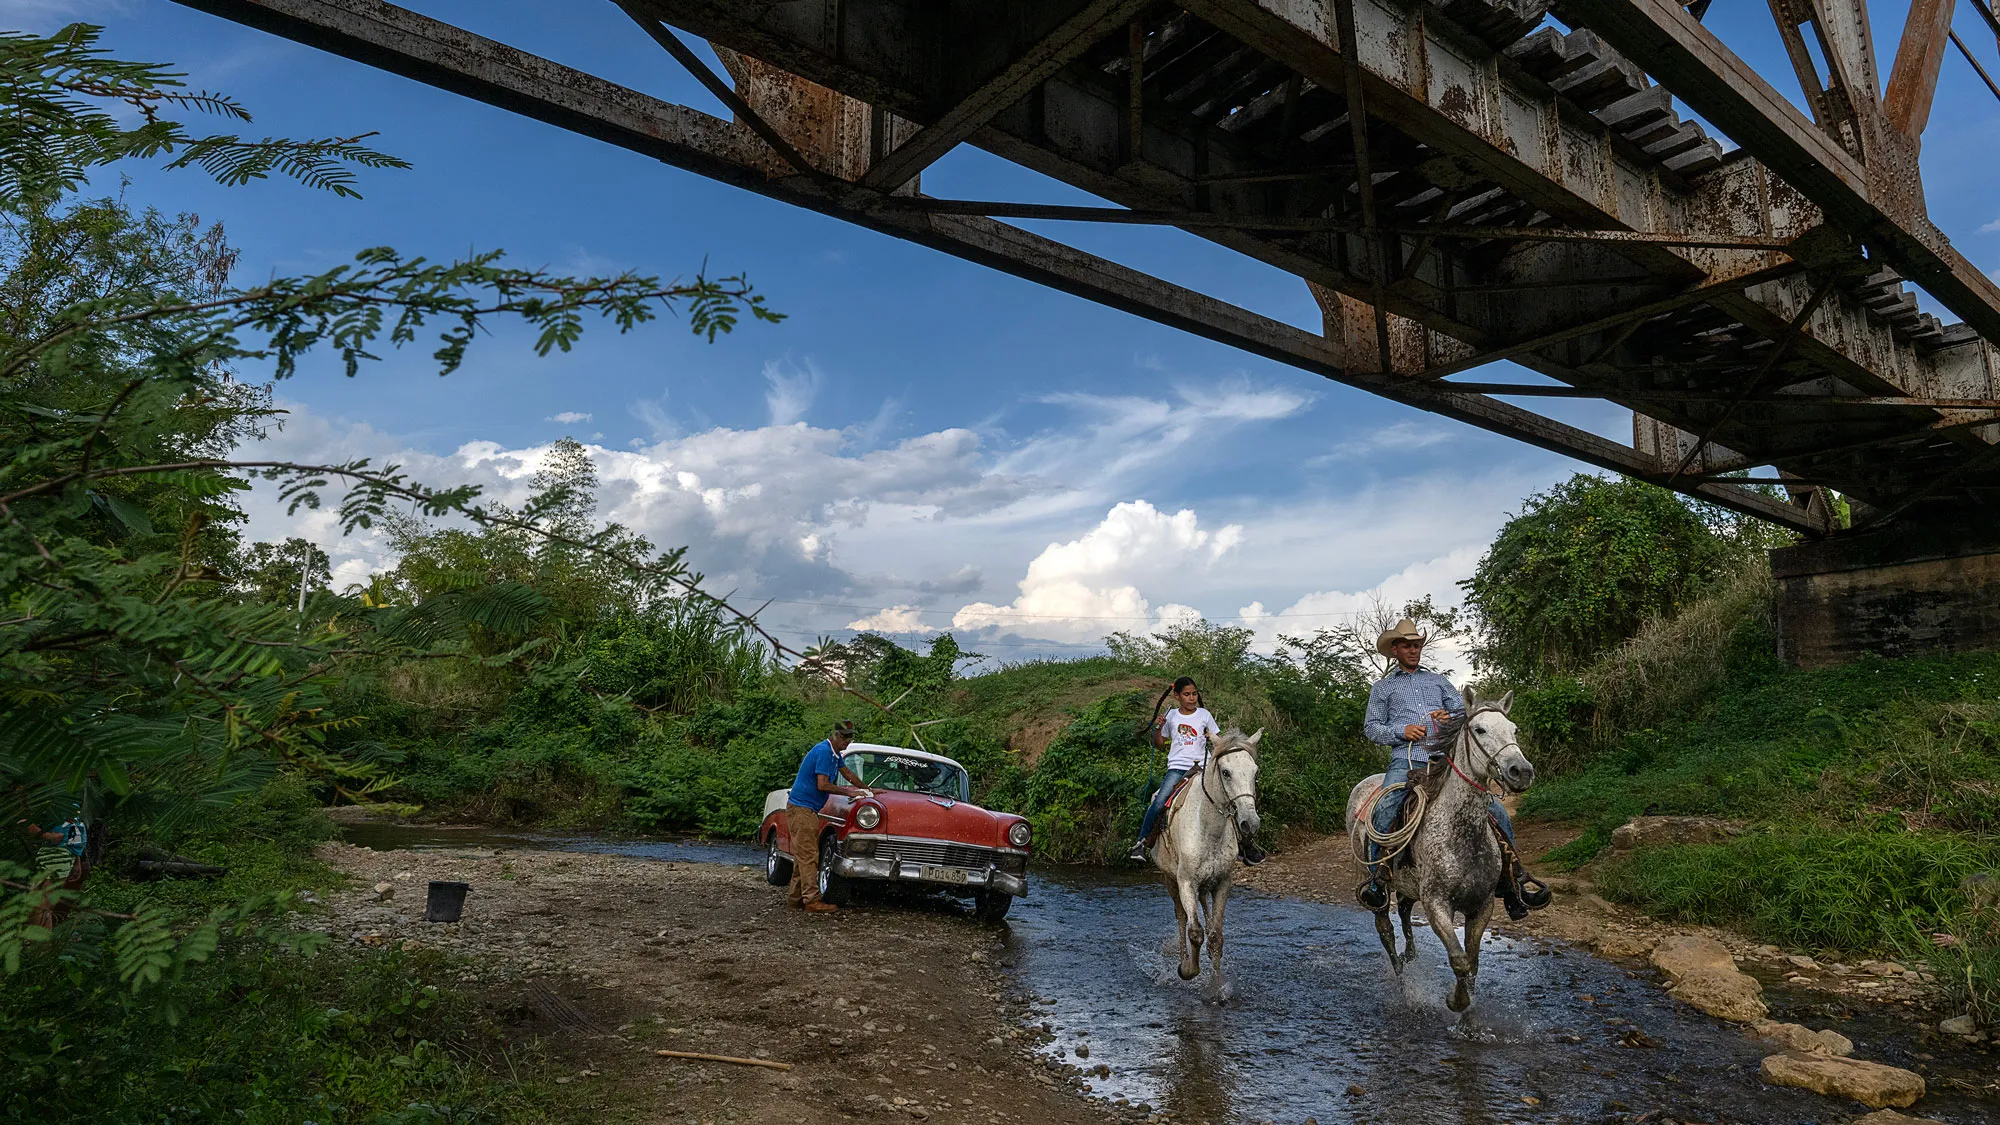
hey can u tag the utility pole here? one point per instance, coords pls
(305, 572)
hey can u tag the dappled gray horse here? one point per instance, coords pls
(1452, 861)
(1197, 850)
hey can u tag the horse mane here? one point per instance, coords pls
(1233, 736)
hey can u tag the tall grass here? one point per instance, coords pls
(1674, 665)
(1808, 887)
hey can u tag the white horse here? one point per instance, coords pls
(1197, 850)
(1452, 863)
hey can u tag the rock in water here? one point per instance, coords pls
(1959, 1025)
(1794, 1037)
(1701, 972)
(1872, 1084)
(1891, 1117)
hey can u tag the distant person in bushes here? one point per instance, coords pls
(1188, 729)
(818, 777)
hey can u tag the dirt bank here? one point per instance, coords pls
(891, 1014)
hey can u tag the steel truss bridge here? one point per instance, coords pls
(1459, 182)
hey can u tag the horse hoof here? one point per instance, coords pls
(1460, 999)
(1187, 973)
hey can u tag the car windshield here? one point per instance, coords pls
(909, 774)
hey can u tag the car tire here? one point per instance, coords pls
(777, 865)
(991, 906)
(836, 889)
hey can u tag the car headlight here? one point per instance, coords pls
(868, 816)
(1018, 833)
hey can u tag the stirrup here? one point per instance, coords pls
(1373, 895)
(1533, 891)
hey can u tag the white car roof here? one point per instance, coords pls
(923, 755)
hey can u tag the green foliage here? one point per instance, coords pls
(55, 128)
(1809, 888)
(1584, 566)
(260, 1035)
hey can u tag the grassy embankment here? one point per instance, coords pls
(260, 1031)
(1056, 741)
(1870, 792)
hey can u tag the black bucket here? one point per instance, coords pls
(446, 901)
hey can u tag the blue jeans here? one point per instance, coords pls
(1398, 773)
(1159, 804)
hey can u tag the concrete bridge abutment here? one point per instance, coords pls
(1913, 588)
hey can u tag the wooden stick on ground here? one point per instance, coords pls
(724, 1059)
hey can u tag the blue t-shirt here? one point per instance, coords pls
(821, 761)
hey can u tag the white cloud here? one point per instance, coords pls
(791, 392)
(1389, 439)
(1089, 586)
(569, 417)
(1437, 578)
(894, 619)
(1991, 228)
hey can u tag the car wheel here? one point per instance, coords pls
(833, 888)
(777, 865)
(991, 906)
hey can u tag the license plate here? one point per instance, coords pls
(944, 874)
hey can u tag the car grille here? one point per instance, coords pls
(935, 853)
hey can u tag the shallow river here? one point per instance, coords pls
(1312, 1024)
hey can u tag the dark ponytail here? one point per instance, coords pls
(1160, 703)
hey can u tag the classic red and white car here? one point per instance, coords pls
(918, 828)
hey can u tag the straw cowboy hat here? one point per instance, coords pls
(1404, 630)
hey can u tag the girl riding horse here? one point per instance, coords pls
(1188, 729)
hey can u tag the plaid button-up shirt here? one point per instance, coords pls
(1402, 698)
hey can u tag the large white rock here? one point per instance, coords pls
(1701, 972)
(1796, 1037)
(1874, 1085)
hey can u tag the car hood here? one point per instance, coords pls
(922, 815)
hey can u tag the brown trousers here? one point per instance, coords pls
(803, 825)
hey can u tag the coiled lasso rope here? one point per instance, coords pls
(1392, 843)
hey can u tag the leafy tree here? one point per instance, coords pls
(284, 573)
(1583, 566)
(132, 683)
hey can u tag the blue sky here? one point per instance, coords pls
(923, 443)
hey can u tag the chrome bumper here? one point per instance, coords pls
(904, 871)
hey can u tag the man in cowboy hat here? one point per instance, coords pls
(818, 776)
(1402, 707)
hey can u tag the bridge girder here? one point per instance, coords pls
(1535, 199)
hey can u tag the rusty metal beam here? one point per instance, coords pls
(1919, 57)
(1756, 382)
(1882, 207)
(1082, 213)
(1974, 61)
(1088, 26)
(1693, 295)
(1534, 390)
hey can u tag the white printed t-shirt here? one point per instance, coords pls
(1189, 735)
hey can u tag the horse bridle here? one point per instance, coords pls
(1467, 731)
(1216, 762)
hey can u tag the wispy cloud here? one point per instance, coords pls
(1400, 436)
(790, 392)
(1991, 228)
(570, 417)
